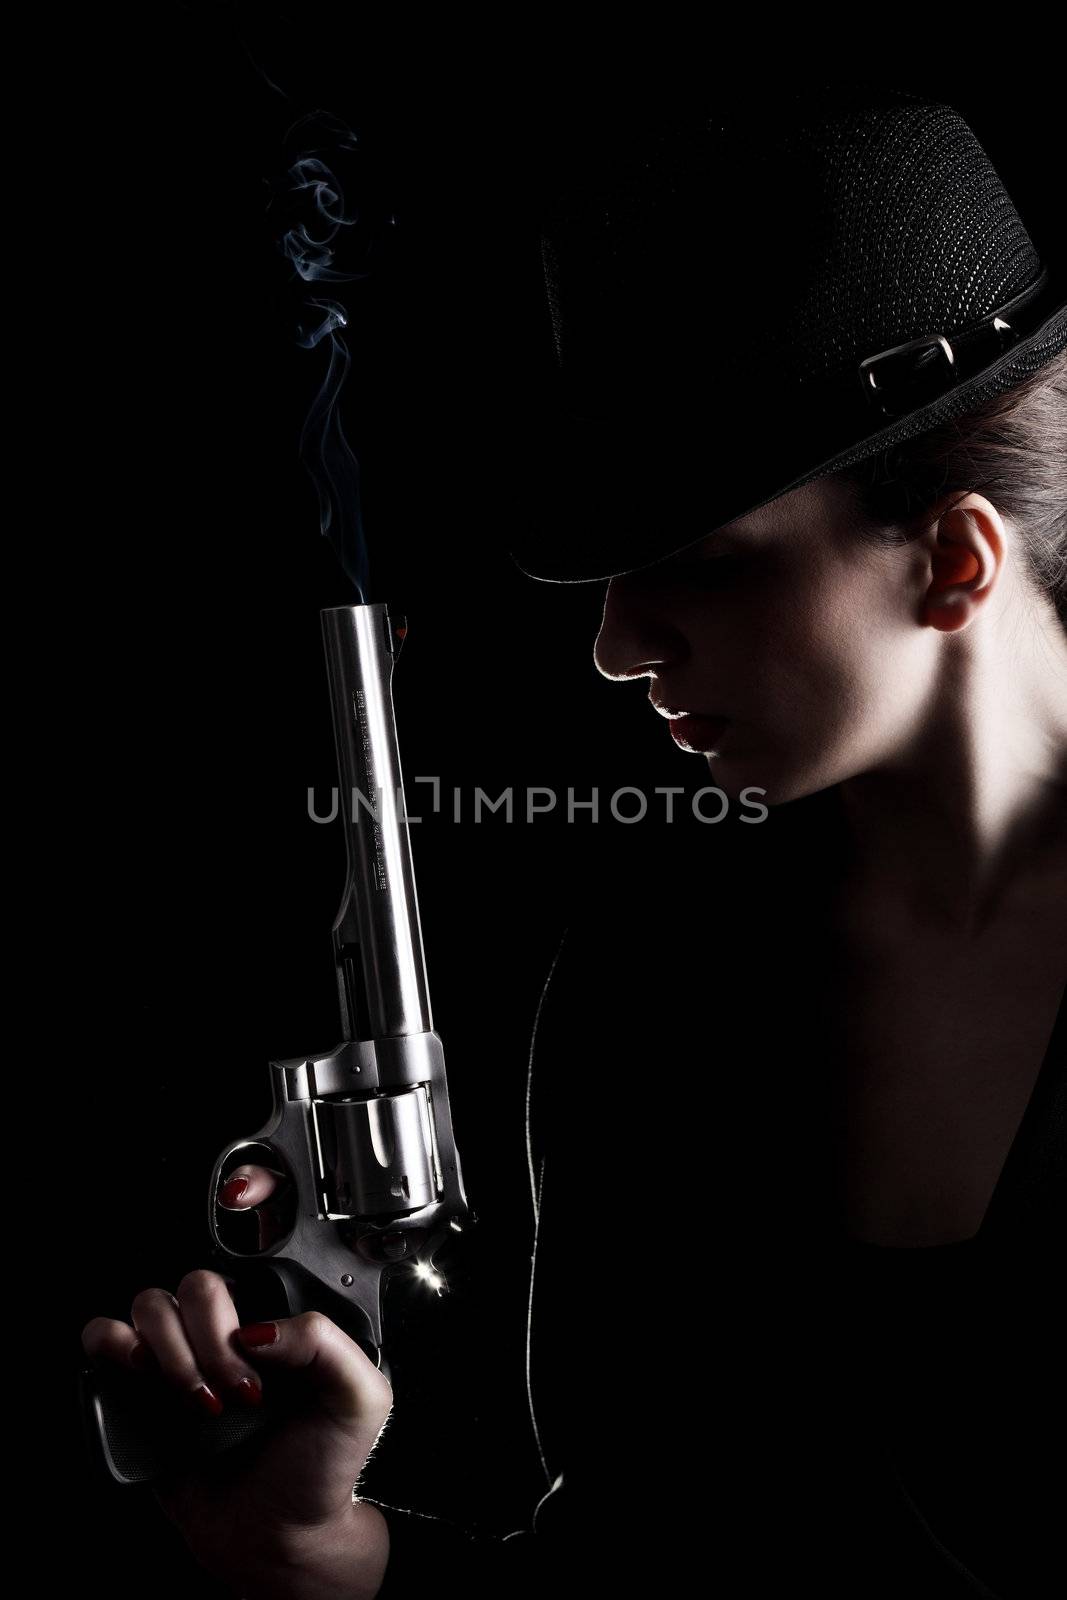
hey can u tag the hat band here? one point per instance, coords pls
(909, 375)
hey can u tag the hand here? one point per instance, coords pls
(273, 1515)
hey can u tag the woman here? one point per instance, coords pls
(873, 631)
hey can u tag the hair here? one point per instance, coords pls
(1012, 449)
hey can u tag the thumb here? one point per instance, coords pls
(344, 1380)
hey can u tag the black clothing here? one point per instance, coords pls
(723, 1382)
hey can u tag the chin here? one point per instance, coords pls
(768, 782)
(734, 777)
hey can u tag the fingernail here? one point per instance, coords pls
(232, 1191)
(258, 1333)
(249, 1391)
(207, 1401)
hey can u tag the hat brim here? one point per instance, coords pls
(597, 499)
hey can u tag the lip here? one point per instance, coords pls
(700, 734)
(673, 713)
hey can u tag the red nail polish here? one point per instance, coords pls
(208, 1401)
(249, 1391)
(232, 1191)
(258, 1333)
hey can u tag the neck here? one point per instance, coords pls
(967, 822)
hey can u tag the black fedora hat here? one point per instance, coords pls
(740, 302)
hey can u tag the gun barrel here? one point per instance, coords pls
(381, 966)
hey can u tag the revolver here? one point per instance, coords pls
(363, 1133)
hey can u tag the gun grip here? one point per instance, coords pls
(137, 1428)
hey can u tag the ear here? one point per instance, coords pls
(967, 544)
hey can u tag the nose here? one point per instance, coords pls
(636, 637)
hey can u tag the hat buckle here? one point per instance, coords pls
(906, 375)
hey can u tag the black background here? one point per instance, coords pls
(192, 897)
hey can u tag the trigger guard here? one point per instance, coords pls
(266, 1288)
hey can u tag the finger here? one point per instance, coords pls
(344, 1380)
(247, 1186)
(104, 1340)
(157, 1319)
(209, 1318)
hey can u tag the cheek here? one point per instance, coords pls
(828, 658)
(815, 647)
